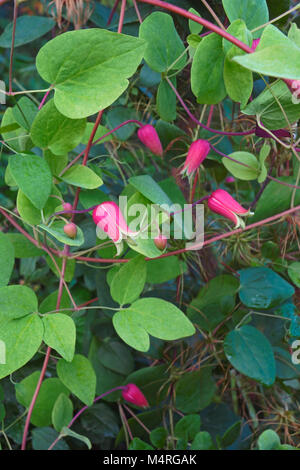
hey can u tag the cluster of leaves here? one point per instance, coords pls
(205, 335)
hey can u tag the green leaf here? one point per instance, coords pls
(263, 155)
(33, 176)
(195, 391)
(116, 116)
(195, 28)
(253, 12)
(42, 438)
(18, 139)
(268, 440)
(150, 316)
(164, 269)
(207, 71)
(60, 334)
(54, 131)
(28, 28)
(24, 112)
(187, 427)
(245, 173)
(48, 304)
(62, 412)
(138, 444)
(158, 437)
(276, 56)
(116, 357)
(269, 104)
(79, 377)
(22, 338)
(7, 259)
(56, 163)
(249, 351)
(166, 101)
(202, 441)
(57, 231)
(128, 283)
(17, 301)
(68, 432)
(88, 69)
(275, 199)
(162, 50)
(294, 34)
(232, 434)
(22, 246)
(49, 392)
(262, 288)
(294, 273)
(82, 176)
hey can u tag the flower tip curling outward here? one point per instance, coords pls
(223, 204)
(197, 153)
(149, 137)
(134, 395)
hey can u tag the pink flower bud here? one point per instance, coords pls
(223, 204)
(198, 151)
(149, 137)
(134, 395)
(70, 230)
(229, 179)
(255, 44)
(109, 218)
(161, 241)
(67, 207)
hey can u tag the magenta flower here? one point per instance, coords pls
(149, 137)
(294, 87)
(134, 395)
(109, 219)
(198, 151)
(223, 204)
(230, 179)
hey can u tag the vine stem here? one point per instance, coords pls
(122, 14)
(191, 115)
(130, 121)
(12, 45)
(46, 360)
(198, 19)
(115, 389)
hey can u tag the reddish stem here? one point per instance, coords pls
(46, 360)
(122, 14)
(197, 19)
(44, 99)
(113, 11)
(12, 45)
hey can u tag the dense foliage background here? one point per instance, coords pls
(227, 380)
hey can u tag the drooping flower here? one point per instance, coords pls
(223, 204)
(70, 230)
(149, 137)
(230, 179)
(197, 153)
(294, 87)
(109, 219)
(134, 395)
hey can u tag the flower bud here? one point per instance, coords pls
(160, 241)
(109, 218)
(67, 207)
(223, 204)
(230, 179)
(198, 151)
(134, 395)
(149, 137)
(70, 230)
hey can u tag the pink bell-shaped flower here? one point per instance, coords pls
(149, 137)
(223, 204)
(160, 241)
(134, 395)
(109, 219)
(197, 153)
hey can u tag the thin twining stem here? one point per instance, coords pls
(191, 115)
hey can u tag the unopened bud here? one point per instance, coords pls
(70, 230)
